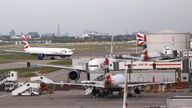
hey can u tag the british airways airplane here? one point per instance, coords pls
(42, 52)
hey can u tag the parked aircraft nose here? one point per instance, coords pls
(70, 52)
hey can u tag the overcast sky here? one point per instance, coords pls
(108, 16)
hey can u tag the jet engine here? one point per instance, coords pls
(40, 56)
(74, 75)
(138, 90)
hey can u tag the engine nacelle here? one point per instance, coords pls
(40, 56)
(63, 56)
(74, 75)
(138, 90)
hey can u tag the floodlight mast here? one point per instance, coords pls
(125, 104)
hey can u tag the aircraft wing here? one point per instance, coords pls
(63, 67)
(14, 51)
(146, 84)
(101, 84)
(79, 84)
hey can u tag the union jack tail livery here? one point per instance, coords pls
(108, 79)
(25, 42)
(141, 39)
(145, 52)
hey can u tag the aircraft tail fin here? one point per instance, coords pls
(108, 80)
(25, 42)
(107, 75)
(141, 38)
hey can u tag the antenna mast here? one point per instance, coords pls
(111, 51)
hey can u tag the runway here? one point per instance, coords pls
(77, 99)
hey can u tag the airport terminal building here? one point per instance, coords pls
(168, 38)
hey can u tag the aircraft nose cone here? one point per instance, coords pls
(71, 52)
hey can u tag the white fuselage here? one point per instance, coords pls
(49, 51)
(117, 79)
(96, 64)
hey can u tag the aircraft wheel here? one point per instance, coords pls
(129, 95)
(19, 94)
(120, 93)
(32, 94)
(52, 58)
(40, 56)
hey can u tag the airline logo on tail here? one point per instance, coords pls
(108, 80)
(25, 42)
(141, 39)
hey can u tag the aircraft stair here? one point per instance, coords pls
(9, 76)
(26, 87)
(42, 79)
(88, 91)
(3, 78)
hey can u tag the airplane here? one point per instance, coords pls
(41, 52)
(95, 65)
(108, 83)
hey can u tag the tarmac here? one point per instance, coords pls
(77, 99)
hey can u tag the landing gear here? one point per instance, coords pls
(120, 93)
(40, 56)
(19, 94)
(129, 94)
(52, 58)
(138, 90)
(99, 92)
(67, 58)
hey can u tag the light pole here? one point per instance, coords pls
(125, 105)
(90, 47)
(129, 70)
